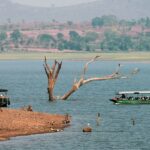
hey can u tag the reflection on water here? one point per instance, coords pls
(27, 84)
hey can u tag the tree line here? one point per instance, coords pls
(75, 42)
(110, 20)
(115, 37)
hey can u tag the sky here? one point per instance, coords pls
(49, 3)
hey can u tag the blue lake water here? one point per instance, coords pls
(27, 84)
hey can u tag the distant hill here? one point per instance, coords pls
(123, 9)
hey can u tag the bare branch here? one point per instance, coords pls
(108, 77)
(46, 65)
(86, 65)
(135, 71)
(58, 69)
(132, 73)
(46, 71)
(53, 67)
(75, 80)
(82, 81)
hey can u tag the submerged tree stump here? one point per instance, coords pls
(52, 75)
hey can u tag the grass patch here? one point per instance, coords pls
(136, 56)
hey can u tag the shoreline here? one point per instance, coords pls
(17, 122)
(76, 56)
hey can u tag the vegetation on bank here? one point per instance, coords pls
(105, 33)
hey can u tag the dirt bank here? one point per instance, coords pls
(20, 122)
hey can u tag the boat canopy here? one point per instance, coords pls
(132, 92)
(3, 90)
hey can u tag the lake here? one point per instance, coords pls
(27, 84)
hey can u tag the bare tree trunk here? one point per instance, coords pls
(52, 75)
(50, 90)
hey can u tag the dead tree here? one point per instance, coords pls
(52, 75)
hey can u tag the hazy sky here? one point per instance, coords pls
(51, 2)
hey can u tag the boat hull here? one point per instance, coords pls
(131, 102)
(4, 102)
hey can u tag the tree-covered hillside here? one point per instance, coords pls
(106, 33)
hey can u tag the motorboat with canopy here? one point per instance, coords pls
(131, 97)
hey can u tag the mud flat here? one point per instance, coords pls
(21, 122)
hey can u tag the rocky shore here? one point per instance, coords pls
(18, 122)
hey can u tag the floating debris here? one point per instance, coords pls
(133, 121)
(98, 119)
(87, 128)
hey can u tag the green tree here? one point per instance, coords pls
(91, 36)
(97, 22)
(89, 41)
(60, 36)
(147, 22)
(16, 37)
(3, 37)
(74, 36)
(46, 40)
(115, 42)
(106, 20)
(75, 41)
(109, 20)
(124, 43)
(60, 41)
(142, 42)
(74, 45)
(110, 41)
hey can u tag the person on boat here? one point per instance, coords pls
(123, 96)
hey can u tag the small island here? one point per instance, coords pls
(19, 122)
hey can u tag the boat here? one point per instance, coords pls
(4, 99)
(131, 97)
